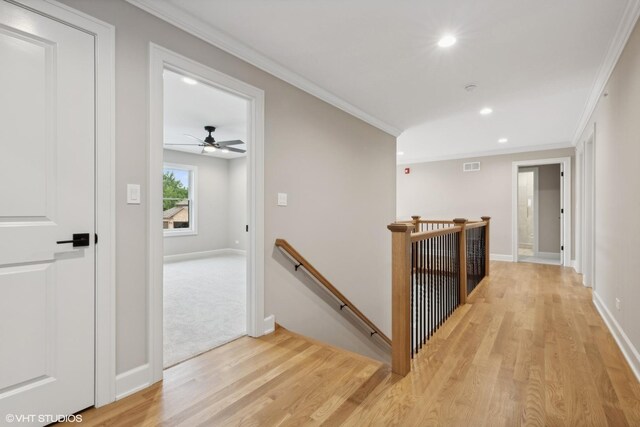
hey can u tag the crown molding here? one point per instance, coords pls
(626, 26)
(487, 153)
(177, 17)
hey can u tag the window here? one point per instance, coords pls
(178, 210)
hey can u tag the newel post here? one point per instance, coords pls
(462, 248)
(416, 223)
(400, 298)
(487, 251)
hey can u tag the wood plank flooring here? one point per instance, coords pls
(530, 349)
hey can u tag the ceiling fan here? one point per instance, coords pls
(210, 145)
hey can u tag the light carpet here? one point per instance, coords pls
(204, 305)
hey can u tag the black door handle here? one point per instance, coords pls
(79, 240)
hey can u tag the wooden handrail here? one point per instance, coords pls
(424, 235)
(302, 262)
(476, 224)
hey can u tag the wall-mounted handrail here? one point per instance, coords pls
(302, 262)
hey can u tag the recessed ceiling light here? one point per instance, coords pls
(503, 140)
(224, 150)
(400, 153)
(447, 41)
(189, 81)
(209, 149)
(486, 111)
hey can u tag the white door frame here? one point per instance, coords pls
(565, 166)
(105, 289)
(159, 60)
(585, 256)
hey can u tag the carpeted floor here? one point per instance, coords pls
(204, 305)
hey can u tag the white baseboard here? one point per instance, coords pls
(132, 381)
(548, 255)
(501, 257)
(203, 254)
(626, 346)
(269, 324)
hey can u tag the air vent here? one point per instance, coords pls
(471, 167)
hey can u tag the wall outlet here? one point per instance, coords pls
(617, 303)
(282, 199)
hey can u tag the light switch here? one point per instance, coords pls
(282, 199)
(133, 194)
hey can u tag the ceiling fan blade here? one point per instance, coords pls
(191, 145)
(194, 137)
(235, 150)
(233, 142)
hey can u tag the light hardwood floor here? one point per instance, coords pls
(529, 349)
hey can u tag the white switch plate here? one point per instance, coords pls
(133, 194)
(282, 199)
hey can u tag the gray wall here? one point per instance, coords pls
(212, 204)
(237, 235)
(617, 203)
(339, 173)
(549, 225)
(440, 190)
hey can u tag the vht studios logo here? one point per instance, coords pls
(42, 418)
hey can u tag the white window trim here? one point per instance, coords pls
(193, 203)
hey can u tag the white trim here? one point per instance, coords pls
(132, 381)
(565, 163)
(551, 255)
(269, 324)
(159, 59)
(203, 254)
(186, 22)
(626, 346)
(619, 41)
(105, 294)
(501, 257)
(487, 153)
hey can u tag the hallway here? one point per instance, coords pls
(530, 349)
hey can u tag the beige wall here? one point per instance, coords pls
(549, 223)
(339, 173)
(617, 191)
(441, 190)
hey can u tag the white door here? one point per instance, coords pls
(46, 196)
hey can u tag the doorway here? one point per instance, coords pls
(204, 217)
(541, 211)
(163, 61)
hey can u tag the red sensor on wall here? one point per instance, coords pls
(407, 171)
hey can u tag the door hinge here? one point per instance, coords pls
(246, 228)
(95, 240)
(562, 248)
(561, 173)
(561, 210)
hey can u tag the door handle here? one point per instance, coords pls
(79, 240)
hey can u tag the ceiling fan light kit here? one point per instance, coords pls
(210, 145)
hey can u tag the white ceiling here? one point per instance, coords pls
(188, 108)
(534, 62)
